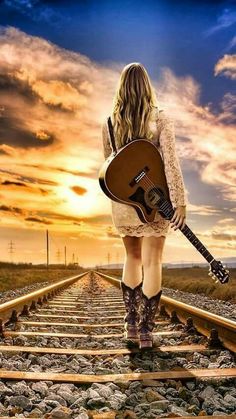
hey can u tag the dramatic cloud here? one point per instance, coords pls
(227, 66)
(11, 209)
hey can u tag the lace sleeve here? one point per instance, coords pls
(105, 140)
(172, 167)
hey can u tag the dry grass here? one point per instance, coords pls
(15, 278)
(195, 280)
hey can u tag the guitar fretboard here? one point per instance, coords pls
(166, 208)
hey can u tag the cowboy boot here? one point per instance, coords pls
(148, 309)
(132, 299)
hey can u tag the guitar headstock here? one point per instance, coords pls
(218, 272)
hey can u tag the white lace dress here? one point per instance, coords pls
(124, 216)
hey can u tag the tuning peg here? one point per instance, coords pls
(224, 266)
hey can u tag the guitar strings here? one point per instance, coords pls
(148, 182)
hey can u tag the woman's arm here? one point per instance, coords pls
(172, 167)
(107, 150)
(173, 171)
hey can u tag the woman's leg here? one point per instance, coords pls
(132, 271)
(152, 249)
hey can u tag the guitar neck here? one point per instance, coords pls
(167, 211)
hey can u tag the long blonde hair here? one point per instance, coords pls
(133, 105)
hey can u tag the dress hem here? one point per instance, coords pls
(142, 234)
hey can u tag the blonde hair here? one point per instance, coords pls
(133, 105)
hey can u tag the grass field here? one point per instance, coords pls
(195, 280)
(15, 278)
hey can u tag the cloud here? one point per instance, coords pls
(78, 190)
(14, 133)
(11, 209)
(30, 187)
(28, 179)
(226, 19)
(226, 66)
(5, 150)
(59, 93)
(226, 220)
(223, 236)
(9, 182)
(38, 220)
(228, 106)
(14, 128)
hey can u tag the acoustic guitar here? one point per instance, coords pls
(134, 175)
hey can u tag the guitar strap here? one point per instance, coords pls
(111, 132)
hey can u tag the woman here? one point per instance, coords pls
(136, 115)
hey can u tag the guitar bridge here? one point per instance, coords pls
(139, 176)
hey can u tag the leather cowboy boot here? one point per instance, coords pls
(148, 309)
(132, 298)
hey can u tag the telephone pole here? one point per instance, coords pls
(47, 248)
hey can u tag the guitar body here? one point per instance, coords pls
(130, 175)
(135, 176)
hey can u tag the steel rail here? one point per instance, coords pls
(10, 310)
(219, 330)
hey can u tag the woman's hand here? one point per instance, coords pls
(178, 219)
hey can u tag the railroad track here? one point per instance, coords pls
(69, 336)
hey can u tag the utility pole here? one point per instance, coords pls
(47, 248)
(108, 258)
(11, 250)
(73, 258)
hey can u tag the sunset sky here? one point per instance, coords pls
(60, 62)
